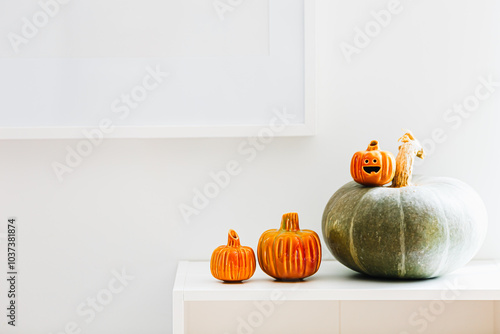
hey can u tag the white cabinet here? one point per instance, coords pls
(338, 300)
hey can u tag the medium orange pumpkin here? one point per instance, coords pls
(233, 263)
(289, 253)
(373, 167)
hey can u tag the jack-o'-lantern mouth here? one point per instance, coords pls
(371, 169)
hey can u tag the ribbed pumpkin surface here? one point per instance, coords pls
(289, 253)
(233, 263)
(420, 231)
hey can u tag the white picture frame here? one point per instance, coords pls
(306, 127)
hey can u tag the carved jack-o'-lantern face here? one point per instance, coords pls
(373, 167)
(371, 164)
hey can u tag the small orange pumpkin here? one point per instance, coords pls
(233, 263)
(373, 167)
(289, 253)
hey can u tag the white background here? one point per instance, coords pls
(120, 207)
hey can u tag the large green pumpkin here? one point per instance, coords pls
(423, 230)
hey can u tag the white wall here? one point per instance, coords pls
(120, 208)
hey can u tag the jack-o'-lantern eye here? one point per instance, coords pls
(374, 161)
(367, 161)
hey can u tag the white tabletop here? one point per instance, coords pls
(479, 280)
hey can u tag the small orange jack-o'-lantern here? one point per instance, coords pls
(373, 167)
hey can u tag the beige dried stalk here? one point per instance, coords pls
(409, 148)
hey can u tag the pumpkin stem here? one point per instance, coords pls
(409, 148)
(233, 240)
(290, 222)
(373, 146)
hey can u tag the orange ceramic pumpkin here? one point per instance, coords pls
(373, 167)
(289, 253)
(233, 263)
